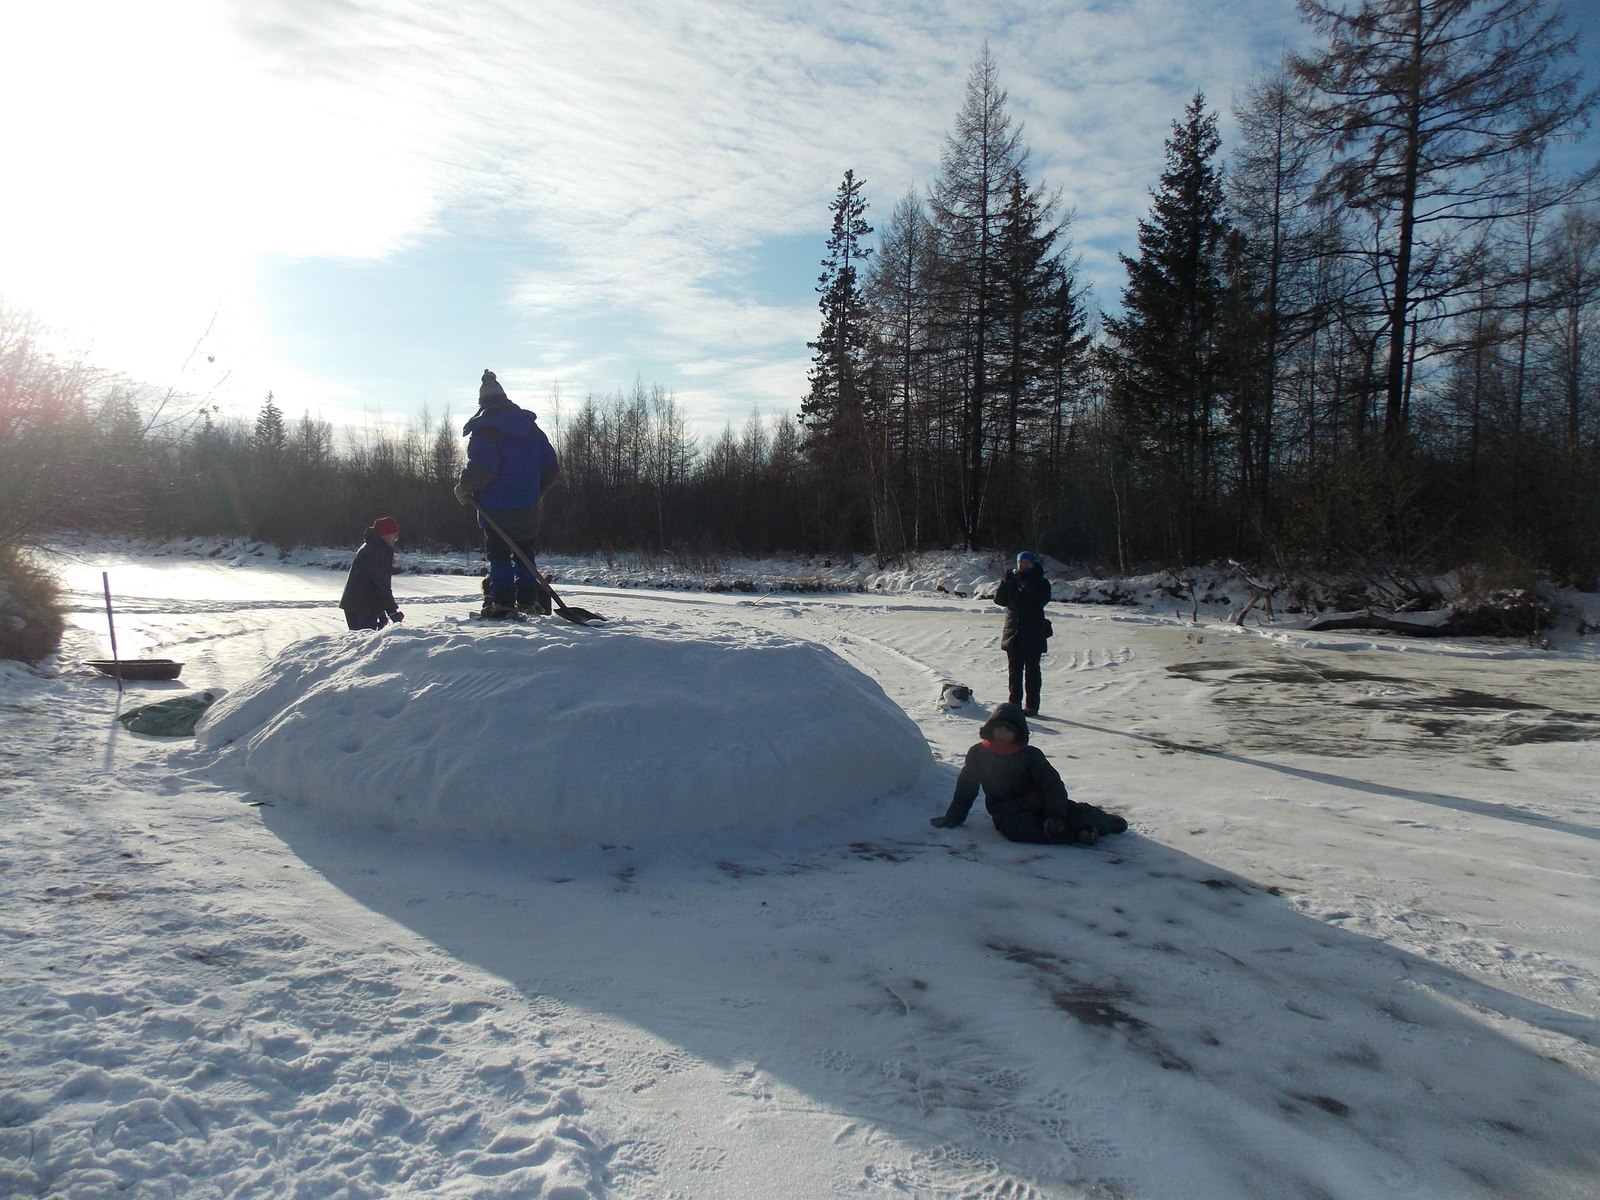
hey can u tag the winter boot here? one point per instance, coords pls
(1054, 828)
(497, 606)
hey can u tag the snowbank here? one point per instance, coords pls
(551, 734)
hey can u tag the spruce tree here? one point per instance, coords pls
(271, 434)
(834, 411)
(1065, 361)
(1026, 279)
(1166, 342)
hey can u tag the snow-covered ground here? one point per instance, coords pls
(652, 907)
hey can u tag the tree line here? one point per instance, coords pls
(85, 450)
(1367, 330)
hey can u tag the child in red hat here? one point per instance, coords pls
(368, 599)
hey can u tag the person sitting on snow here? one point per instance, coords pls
(1022, 791)
(368, 599)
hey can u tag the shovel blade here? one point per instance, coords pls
(578, 616)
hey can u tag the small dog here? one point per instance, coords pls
(954, 695)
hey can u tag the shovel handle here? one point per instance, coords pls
(517, 550)
(578, 616)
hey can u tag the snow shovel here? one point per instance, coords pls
(129, 668)
(578, 616)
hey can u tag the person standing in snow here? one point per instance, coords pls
(368, 599)
(1022, 791)
(510, 462)
(1024, 591)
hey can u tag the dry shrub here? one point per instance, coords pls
(1512, 612)
(698, 556)
(1500, 596)
(1505, 572)
(31, 623)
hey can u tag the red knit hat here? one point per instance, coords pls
(384, 526)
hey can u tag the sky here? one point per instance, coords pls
(358, 205)
(688, 933)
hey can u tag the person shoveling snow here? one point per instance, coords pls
(510, 463)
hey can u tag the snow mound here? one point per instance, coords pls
(556, 735)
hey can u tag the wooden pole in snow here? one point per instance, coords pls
(105, 581)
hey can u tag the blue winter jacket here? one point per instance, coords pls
(508, 457)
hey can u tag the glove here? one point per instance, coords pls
(943, 823)
(397, 616)
(464, 496)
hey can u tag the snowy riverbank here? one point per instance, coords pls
(1349, 948)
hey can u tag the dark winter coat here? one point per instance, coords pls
(510, 461)
(1024, 595)
(1021, 788)
(368, 599)
(1011, 783)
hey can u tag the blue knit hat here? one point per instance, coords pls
(1029, 555)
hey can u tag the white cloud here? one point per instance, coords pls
(648, 150)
